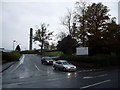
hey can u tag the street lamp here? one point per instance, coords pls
(14, 41)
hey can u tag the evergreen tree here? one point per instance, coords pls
(18, 48)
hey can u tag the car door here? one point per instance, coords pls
(56, 64)
(60, 65)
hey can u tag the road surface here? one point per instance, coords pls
(30, 73)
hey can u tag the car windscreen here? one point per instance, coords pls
(48, 58)
(65, 63)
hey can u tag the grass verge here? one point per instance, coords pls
(51, 54)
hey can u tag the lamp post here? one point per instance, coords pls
(14, 41)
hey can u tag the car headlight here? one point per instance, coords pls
(67, 67)
(48, 61)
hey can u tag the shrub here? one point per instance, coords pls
(96, 60)
(10, 56)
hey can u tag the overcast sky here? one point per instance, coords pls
(18, 16)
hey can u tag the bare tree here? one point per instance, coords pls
(42, 35)
(61, 35)
(67, 21)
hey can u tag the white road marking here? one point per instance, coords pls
(95, 84)
(37, 67)
(14, 83)
(21, 62)
(89, 70)
(53, 79)
(22, 59)
(21, 77)
(95, 76)
(87, 77)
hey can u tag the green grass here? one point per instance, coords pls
(55, 53)
(28, 52)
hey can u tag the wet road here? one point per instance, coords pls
(30, 73)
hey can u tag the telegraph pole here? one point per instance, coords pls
(31, 35)
(119, 12)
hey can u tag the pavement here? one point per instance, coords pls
(3, 68)
(6, 66)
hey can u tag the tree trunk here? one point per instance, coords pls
(42, 48)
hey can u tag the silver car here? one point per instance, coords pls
(64, 66)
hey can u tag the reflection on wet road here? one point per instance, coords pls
(30, 73)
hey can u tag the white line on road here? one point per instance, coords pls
(21, 62)
(22, 59)
(89, 70)
(21, 77)
(37, 67)
(15, 83)
(88, 77)
(95, 84)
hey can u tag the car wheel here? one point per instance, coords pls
(55, 68)
(45, 63)
(64, 69)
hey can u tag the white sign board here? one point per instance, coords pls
(82, 51)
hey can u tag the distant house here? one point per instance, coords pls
(4, 50)
(1, 49)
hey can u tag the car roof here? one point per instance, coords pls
(62, 60)
(46, 57)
